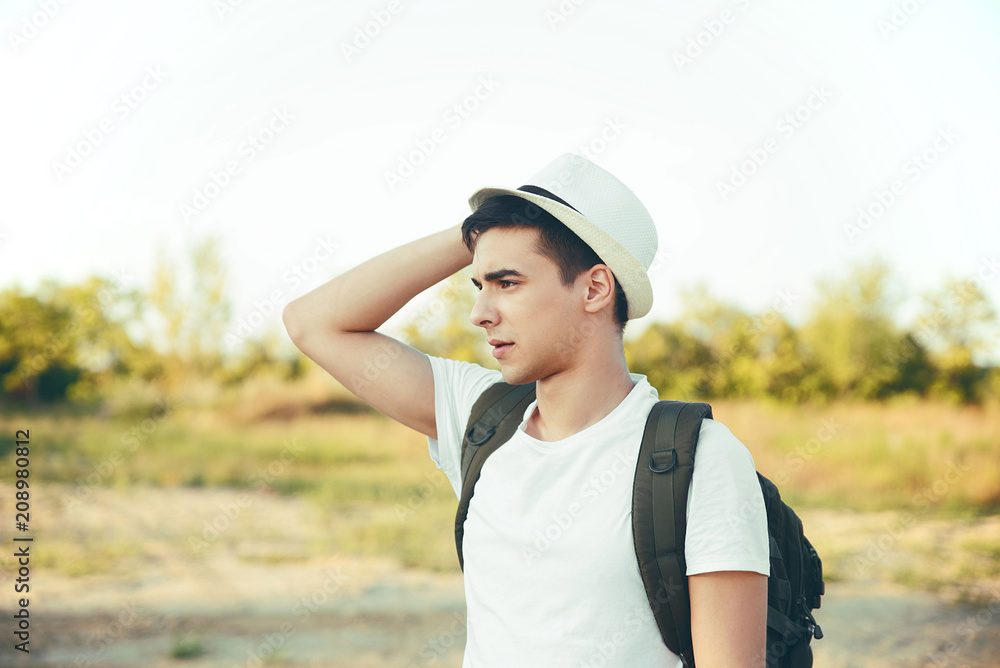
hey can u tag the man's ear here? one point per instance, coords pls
(600, 285)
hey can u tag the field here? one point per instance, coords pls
(215, 523)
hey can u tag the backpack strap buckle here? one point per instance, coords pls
(658, 460)
(473, 438)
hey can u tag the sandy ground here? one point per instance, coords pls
(249, 597)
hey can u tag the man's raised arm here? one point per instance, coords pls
(334, 325)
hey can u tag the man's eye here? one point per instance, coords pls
(505, 284)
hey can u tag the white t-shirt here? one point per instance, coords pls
(551, 577)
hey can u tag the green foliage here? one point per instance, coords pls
(961, 325)
(674, 361)
(849, 348)
(851, 337)
(790, 372)
(959, 321)
(734, 340)
(192, 318)
(64, 341)
(268, 355)
(187, 646)
(80, 343)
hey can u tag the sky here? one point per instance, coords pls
(774, 142)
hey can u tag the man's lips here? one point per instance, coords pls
(500, 347)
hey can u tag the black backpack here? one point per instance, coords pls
(659, 514)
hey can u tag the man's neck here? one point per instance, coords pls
(575, 399)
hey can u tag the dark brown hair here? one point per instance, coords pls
(555, 241)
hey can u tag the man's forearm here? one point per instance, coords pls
(362, 299)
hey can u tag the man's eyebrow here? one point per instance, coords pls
(499, 275)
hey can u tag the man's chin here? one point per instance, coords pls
(515, 376)
(509, 377)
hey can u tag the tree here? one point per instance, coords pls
(268, 355)
(850, 335)
(916, 370)
(193, 320)
(791, 374)
(960, 324)
(674, 361)
(959, 321)
(64, 342)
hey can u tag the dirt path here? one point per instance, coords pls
(250, 599)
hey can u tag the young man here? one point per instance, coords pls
(551, 576)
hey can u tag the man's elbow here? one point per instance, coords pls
(292, 319)
(306, 328)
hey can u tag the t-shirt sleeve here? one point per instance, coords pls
(727, 523)
(457, 385)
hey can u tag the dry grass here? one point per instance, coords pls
(374, 482)
(923, 456)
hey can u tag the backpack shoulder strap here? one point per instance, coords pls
(659, 516)
(494, 419)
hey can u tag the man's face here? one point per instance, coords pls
(523, 305)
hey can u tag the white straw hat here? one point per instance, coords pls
(603, 212)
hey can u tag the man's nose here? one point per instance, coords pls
(483, 314)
